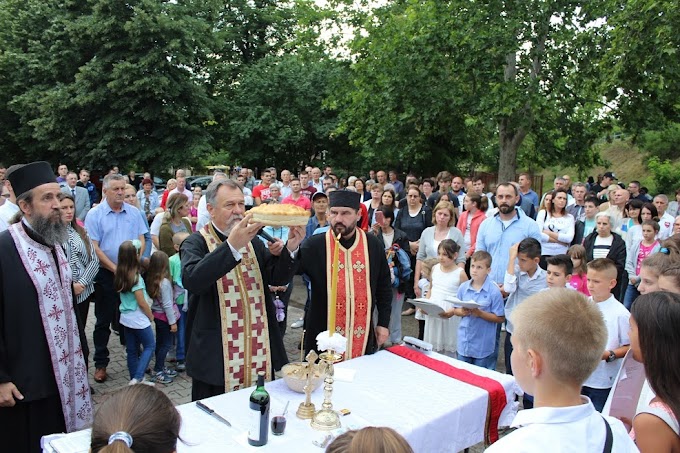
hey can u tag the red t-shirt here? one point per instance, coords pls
(261, 192)
(302, 202)
(308, 192)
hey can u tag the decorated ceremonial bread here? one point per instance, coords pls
(280, 215)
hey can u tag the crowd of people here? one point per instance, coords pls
(185, 274)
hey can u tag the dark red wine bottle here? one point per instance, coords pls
(258, 428)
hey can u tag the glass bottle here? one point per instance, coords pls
(258, 428)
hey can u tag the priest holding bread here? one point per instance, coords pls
(363, 281)
(232, 331)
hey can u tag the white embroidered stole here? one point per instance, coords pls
(60, 325)
(243, 314)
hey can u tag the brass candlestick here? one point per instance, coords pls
(306, 409)
(327, 419)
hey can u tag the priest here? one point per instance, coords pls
(363, 279)
(232, 329)
(43, 378)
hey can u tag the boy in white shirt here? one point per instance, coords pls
(601, 279)
(558, 341)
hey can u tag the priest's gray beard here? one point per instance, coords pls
(231, 223)
(51, 228)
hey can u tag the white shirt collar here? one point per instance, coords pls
(554, 415)
(217, 229)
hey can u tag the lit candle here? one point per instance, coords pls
(334, 288)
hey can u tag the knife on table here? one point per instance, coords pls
(212, 412)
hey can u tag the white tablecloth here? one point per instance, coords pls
(435, 413)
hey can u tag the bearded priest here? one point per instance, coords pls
(43, 378)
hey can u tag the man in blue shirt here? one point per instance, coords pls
(497, 234)
(109, 224)
(84, 181)
(525, 187)
(506, 228)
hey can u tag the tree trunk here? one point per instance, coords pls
(509, 142)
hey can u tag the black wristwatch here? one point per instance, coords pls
(612, 357)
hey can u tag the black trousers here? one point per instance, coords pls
(22, 426)
(83, 311)
(106, 311)
(201, 390)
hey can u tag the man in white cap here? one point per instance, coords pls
(43, 378)
(360, 255)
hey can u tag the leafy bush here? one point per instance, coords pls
(664, 143)
(666, 175)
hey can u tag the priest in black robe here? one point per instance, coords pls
(43, 378)
(232, 330)
(358, 300)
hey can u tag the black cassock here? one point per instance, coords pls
(25, 357)
(200, 273)
(313, 263)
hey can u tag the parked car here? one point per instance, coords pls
(201, 181)
(159, 183)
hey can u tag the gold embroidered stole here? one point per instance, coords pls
(243, 316)
(354, 304)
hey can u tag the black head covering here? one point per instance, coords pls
(29, 176)
(344, 198)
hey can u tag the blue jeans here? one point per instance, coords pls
(488, 362)
(632, 293)
(164, 343)
(180, 352)
(137, 362)
(597, 396)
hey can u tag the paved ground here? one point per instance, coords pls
(180, 390)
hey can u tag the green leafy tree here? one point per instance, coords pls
(436, 82)
(113, 83)
(641, 68)
(666, 174)
(664, 143)
(277, 112)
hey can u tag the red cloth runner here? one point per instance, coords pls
(497, 398)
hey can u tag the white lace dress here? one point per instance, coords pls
(442, 332)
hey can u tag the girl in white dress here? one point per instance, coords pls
(442, 333)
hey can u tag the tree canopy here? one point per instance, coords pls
(423, 85)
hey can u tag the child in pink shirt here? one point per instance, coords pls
(578, 280)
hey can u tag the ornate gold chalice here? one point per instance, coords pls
(327, 419)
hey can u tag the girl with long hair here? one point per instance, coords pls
(389, 199)
(652, 266)
(135, 312)
(139, 416)
(165, 313)
(655, 341)
(442, 332)
(578, 280)
(470, 220)
(556, 226)
(632, 221)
